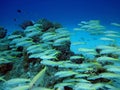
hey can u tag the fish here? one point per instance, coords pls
(82, 75)
(47, 34)
(111, 32)
(19, 10)
(76, 80)
(78, 43)
(107, 39)
(112, 35)
(48, 57)
(76, 57)
(85, 50)
(33, 33)
(11, 37)
(107, 59)
(24, 87)
(51, 63)
(49, 38)
(61, 41)
(60, 86)
(68, 65)
(17, 81)
(109, 51)
(25, 43)
(109, 75)
(38, 80)
(115, 24)
(41, 88)
(112, 68)
(2, 79)
(67, 73)
(33, 47)
(84, 86)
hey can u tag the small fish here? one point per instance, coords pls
(25, 43)
(109, 51)
(112, 35)
(107, 39)
(51, 63)
(84, 86)
(33, 47)
(24, 87)
(82, 75)
(78, 43)
(38, 79)
(112, 68)
(68, 65)
(49, 38)
(60, 86)
(62, 74)
(33, 33)
(11, 37)
(76, 57)
(48, 57)
(111, 32)
(115, 24)
(86, 50)
(17, 81)
(76, 80)
(2, 79)
(107, 59)
(47, 34)
(109, 75)
(19, 10)
(61, 41)
(41, 88)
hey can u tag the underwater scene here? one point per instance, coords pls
(59, 45)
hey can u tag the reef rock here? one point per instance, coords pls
(2, 32)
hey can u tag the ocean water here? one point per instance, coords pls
(66, 12)
(69, 13)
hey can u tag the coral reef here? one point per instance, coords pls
(3, 32)
(39, 58)
(46, 25)
(46, 40)
(26, 23)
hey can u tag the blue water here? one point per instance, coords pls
(66, 12)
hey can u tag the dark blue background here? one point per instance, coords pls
(67, 12)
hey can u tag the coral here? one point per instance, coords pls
(33, 46)
(46, 24)
(18, 32)
(3, 32)
(5, 68)
(41, 57)
(26, 23)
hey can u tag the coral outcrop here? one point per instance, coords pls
(3, 32)
(40, 58)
